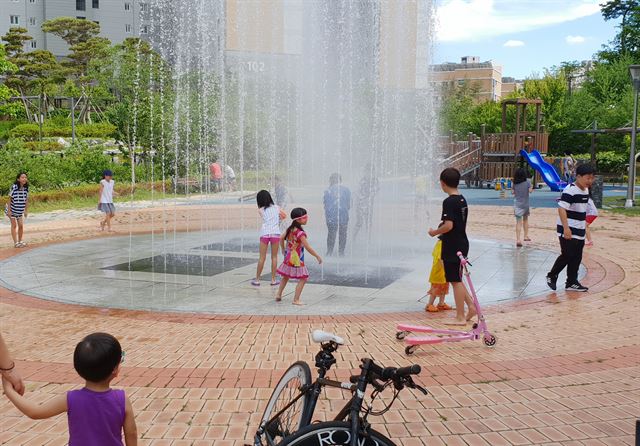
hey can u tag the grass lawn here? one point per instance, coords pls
(616, 205)
(92, 202)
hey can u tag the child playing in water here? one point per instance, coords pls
(293, 266)
(97, 414)
(269, 233)
(439, 285)
(105, 202)
(452, 232)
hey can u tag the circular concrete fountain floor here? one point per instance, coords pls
(210, 272)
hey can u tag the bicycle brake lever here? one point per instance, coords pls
(377, 385)
(412, 385)
(421, 389)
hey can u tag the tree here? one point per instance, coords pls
(553, 89)
(457, 108)
(71, 30)
(37, 72)
(84, 45)
(133, 74)
(44, 72)
(7, 109)
(627, 41)
(16, 38)
(86, 50)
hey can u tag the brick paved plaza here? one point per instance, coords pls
(565, 371)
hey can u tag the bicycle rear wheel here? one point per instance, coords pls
(333, 433)
(287, 389)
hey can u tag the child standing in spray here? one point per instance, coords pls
(293, 266)
(105, 203)
(269, 234)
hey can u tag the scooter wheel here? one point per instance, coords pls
(410, 349)
(401, 335)
(489, 340)
(475, 325)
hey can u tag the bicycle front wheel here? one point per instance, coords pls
(334, 433)
(287, 389)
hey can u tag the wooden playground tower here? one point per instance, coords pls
(484, 158)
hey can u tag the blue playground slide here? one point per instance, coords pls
(546, 170)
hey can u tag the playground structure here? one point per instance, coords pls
(481, 159)
(546, 170)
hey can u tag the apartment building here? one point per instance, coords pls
(485, 77)
(287, 30)
(511, 84)
(118, 19)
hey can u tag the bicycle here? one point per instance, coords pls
(287, 418)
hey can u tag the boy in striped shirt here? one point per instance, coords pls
(571, 227)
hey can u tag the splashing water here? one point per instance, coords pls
(299, 89)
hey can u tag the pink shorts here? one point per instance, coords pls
(591, 218)
(273, 239)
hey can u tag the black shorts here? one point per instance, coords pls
(452, 270)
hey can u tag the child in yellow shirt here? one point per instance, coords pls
(439, 285)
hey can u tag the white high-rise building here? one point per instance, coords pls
(118, 19)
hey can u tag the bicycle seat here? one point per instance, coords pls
(324, 336)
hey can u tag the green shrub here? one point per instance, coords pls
(608, 161)
(59, 119)
(52, 131)
(97, 130)
(612, 162)
(5, 128)
(46, 146)
(29, 132)
(78, 164)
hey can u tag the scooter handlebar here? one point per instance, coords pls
(462, 258)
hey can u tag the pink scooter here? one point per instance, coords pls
(443, 335)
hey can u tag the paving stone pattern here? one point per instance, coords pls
(565, 370)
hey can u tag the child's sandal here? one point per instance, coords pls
(432, 308)
(444, 307)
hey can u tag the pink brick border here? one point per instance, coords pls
(449, 374)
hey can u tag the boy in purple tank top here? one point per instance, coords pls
(97, 414)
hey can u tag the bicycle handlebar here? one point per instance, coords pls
(409, 370)
(393, 373)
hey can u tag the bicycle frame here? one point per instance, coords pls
(314, 390)
(352, 407)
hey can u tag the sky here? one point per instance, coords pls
(523, 36)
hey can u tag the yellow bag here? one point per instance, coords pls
(437, 269)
